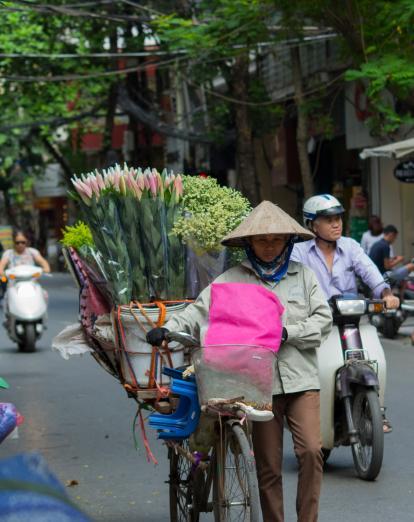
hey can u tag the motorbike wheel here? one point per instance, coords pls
(28, 344)
(369, 450)
(389, 328)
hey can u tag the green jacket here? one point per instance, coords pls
(307, 319)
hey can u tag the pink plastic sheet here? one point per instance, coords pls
(244, 314)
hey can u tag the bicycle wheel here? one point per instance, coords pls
(369, 450)
(181, 487)
(235, 489)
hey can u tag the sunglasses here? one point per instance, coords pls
(20, 242)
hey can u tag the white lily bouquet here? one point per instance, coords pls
(131, 214)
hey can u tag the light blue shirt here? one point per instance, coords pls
(349, 261)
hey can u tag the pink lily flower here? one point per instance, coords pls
(122, 186)
(178, 185)
(108, 179)
(94, 185)
(136, 189)
(115, 180)
(83, 190)
(153, 184)
(128, 180)
(140, 179)
(100, 180)
(147, 180)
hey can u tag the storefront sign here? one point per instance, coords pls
(404, 171)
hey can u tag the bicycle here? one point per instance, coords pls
(224, 482)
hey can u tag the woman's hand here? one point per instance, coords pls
(156, 336)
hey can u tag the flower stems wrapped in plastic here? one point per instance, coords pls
(131, 215)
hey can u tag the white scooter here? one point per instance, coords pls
(25, 306)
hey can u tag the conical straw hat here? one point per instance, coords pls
(266, 218)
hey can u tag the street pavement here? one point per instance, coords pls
(80, 419)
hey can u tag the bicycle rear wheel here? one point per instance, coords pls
(181, 487)
(235, 489)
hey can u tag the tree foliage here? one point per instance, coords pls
(377, 49)
(40, 90)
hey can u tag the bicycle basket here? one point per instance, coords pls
(230, 371)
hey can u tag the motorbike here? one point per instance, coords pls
(389, 322)
(352, 372)
(25, 306)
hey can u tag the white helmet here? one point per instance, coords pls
(321, 205)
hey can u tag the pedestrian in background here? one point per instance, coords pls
(373, 234)
(382, 256)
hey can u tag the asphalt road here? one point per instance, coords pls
(80, 419)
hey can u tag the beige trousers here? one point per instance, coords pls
(302, 412)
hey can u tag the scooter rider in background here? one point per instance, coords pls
(22, 254)
(337, 260)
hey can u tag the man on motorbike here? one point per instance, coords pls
(267, 237)
(338, 260)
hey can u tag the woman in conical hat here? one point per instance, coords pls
(299, 312)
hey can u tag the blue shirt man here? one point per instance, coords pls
(349, 261)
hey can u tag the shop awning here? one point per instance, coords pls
(395, 150)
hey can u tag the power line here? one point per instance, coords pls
(59, 56)
(230, 99)
(142, 7)
(132, 54)
(67, 11)
(55, 122)
(73, 77)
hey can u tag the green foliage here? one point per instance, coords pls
(77, 236)
(211, 211)
(264, 118)
(220, 31)
(25, 94)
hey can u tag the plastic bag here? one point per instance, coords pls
(103, 328)
(71, 341)
(203, 268)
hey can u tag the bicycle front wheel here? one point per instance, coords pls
(235, 489)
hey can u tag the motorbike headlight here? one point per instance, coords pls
(351, 306)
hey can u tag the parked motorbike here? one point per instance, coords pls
(389, 322)
(352, 371)
(25, 306)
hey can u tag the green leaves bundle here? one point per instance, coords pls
(211, 212)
